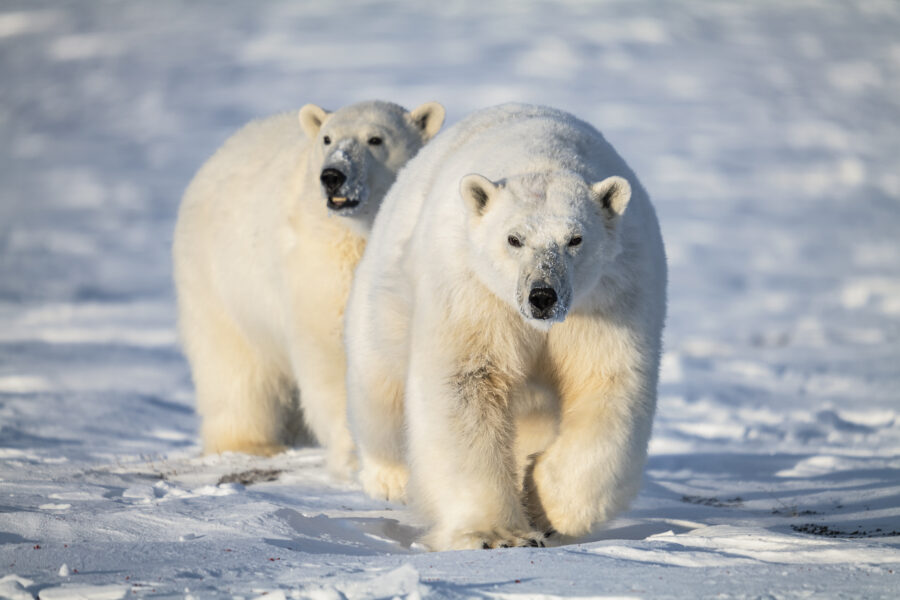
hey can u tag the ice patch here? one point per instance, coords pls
(320, 593)
(164, 491)
(20, 23)
(882, 293)
(23, 384)
(670, 370)
(748, 370)
(13, 587)
(84, 592)
(727, 546)
(145, 338)
(869, 418)
(813, 466)
(168, 434)
(55, 506)
(713, 431)
(275, 595)
(15, 453)
(403, 581)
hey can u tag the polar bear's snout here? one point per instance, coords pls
(542, 300)
(332, 180)
(343, 178)
(544, 290)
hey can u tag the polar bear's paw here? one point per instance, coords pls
(487, 540)
(342, 462)
(384, 481)
(243, 447)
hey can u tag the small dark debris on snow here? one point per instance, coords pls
(250, 477)
(793, 512)
(826, 531)
(713, 501)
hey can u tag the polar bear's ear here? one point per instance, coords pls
(311, 119)
(613, 194)
(476, 191)
(428, 118)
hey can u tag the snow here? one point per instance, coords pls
(768, 135)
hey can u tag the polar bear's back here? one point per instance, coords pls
(226, 233)
(510, 139)
(241, 157)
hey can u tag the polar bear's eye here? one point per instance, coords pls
(375, 141)
(575, 241)
(514, 241)
(326, 140)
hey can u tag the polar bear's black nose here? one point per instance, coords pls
(541, 300)
(332, 179)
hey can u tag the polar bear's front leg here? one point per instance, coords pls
(593, 468)
(375, 412)
(320, 370)
(461, 456)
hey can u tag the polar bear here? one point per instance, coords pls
(268, 234)
(503, 332)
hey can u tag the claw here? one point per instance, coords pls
(485, 546)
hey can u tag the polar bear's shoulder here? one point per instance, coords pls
(275, 141)
(266, 136)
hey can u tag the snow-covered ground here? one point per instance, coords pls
(768, 134)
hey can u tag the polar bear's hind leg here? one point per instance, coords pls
(244, 400)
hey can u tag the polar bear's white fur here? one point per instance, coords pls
(503, 332)
(268, 234)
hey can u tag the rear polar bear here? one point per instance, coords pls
(504, 331)
(268, 234)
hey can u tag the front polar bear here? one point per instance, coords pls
(268, 234)
(503, 332)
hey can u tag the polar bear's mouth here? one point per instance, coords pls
(342, 203)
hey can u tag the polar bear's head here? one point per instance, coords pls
(541, 242)
(358, 150)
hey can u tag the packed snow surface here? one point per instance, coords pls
(768, 135)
